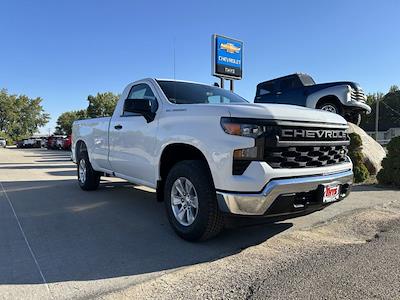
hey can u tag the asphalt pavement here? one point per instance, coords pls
(59, 242)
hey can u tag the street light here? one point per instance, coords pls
(376, 117)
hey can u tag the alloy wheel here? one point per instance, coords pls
(184, 201)
(330, 108)
(82, 171)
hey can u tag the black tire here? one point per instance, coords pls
(91, 180)
(209, 221)
(332, 106)
(354, 118)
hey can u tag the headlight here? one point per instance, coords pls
(242, 129)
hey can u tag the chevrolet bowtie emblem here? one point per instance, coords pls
(230, 48)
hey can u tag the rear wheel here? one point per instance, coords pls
(190, 201)
(354, 118)
(88, 178)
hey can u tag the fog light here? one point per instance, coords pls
(247, 153)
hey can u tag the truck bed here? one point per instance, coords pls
(97, 130)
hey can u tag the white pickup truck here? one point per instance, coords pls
(210, 154)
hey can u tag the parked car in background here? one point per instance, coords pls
(52, 142)
(3, 142)
(67, 143)
(19, 143)
(43, 141)
(59, 142)
(30, 143)
(342, 97)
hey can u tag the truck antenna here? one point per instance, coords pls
(174, 59)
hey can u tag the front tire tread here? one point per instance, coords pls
(210, 221)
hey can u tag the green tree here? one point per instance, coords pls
(371, 98)
(394, 88)
(65, 120)
(390, 172)
(101, 105)
(389, 111)
(20, 116)
(7, 112)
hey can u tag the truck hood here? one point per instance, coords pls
(283, 112)
(354, 85)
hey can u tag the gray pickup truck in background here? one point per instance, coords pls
(342, 97)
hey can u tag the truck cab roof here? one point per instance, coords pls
(305, 79)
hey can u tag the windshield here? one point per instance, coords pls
(193, 93)
(306, 80)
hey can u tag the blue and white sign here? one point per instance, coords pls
(227, 57)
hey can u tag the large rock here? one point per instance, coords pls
(372, 151)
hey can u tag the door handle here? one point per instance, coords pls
(118, 127)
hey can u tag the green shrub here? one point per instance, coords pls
(355, 142)
(359, 169)
(360, 173)
(356, 157)
(394, 147)
(390, 172)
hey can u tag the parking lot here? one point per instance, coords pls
(57, 241)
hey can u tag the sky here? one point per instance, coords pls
(62, 51)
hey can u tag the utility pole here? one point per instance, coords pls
(377, 118)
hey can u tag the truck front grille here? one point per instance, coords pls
(287, 144)
(304, 156)
(358, 95)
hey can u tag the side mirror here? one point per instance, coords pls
(140, 106)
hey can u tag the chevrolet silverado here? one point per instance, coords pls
(211, 154)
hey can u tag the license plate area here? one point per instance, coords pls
(331, 192)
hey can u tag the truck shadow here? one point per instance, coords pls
(118, 230)
(372, 187)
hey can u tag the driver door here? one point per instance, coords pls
(290, 91)
(132, 141)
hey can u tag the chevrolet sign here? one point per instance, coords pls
(226, 57)
(322, 134)
(230, 48)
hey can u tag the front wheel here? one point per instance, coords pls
(88, 178)
(190, 201)
(330, 107)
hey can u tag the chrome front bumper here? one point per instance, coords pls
(258, 203)
(362, 105)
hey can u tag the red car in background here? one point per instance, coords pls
(67, 143)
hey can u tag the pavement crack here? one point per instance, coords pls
(26, 240)
(250, 292)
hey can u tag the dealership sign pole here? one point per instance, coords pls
(226, 59)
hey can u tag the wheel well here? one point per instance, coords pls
(80, 147)
(330, 99)
(173, 154)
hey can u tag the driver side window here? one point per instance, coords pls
(142, 92)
